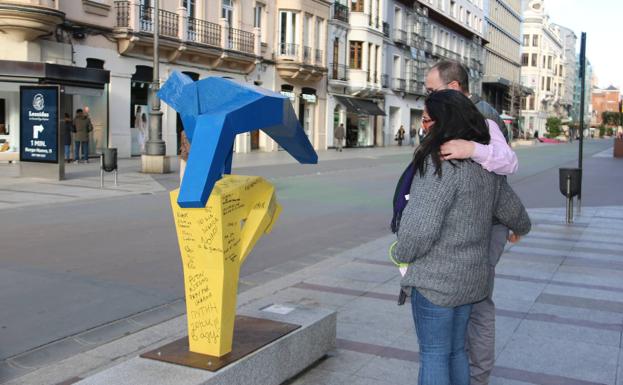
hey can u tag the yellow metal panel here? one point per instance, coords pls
(214, 242)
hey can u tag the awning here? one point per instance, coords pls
(360, 106)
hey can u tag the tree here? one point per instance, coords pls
(611, 118)
(553, 126)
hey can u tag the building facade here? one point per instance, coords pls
(501, 82)
(602, 100)
(355, 95)
(458, 33)
(101, 54)
(542, 68)
(569, 72)
(409, 41)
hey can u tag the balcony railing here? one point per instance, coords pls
(201, 31)
(307, 54)
(318, 56)
(399, 84)
(338, 72)
(289, 49)
(141, 19)
(428, 46)
(339, 12)
(240, 40)
(384, 80)
(386, 29)
(415, 87)
(167, 21)
(400, 36)
(123, 14)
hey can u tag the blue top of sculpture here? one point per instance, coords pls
(213, 111)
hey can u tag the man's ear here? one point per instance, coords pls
(454, 85)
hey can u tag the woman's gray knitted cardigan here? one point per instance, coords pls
(446, 227)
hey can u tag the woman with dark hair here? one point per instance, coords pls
(444, 233)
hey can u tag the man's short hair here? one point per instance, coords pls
(79, 110)
(450, 71)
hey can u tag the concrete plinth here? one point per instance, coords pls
(155, 164)
(54, 171)
(271, 365)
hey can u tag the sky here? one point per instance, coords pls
(601, 20)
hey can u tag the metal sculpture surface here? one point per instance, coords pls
(220, 217)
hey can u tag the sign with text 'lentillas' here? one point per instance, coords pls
(39, 136)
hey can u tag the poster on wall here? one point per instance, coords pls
(39, 137)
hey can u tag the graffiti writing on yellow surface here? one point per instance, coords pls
(214, 242)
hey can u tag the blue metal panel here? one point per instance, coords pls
(213, 111)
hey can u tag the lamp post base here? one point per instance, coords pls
(155, 164)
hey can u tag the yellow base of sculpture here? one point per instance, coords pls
(214, 242)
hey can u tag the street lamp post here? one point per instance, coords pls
(154, 160)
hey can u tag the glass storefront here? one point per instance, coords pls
(80, 88)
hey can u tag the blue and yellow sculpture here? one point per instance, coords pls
(219, 217)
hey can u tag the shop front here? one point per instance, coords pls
(360, 120)
(80, 88)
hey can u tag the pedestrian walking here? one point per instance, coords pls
(412, 135)
(496, 157)
(444, 236)
(82, 129)
(400, 135)
(339, 134)
(68, 128)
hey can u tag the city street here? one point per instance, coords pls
(67, 268)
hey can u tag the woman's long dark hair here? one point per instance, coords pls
(455, 117)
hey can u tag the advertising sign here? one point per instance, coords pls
(39, 136)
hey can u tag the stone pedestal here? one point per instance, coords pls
(272, 364)
(155, 164)
(54, 171)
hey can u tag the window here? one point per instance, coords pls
(549, 83)
(258, 20)
(453, 8)
(531, 103)
(227, 11)
(535, 58)
(190, 7)
(356, 5)
(524, 59)
(469, 18)
(542, 83)
(257, 16)
(535, 40)
(356, 52)
(288, 33)
(544, 60)
(549, 62)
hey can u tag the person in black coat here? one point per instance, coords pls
(68, 127)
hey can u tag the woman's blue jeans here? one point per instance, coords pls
(441, 336)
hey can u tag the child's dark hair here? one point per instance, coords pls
(454, 117)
